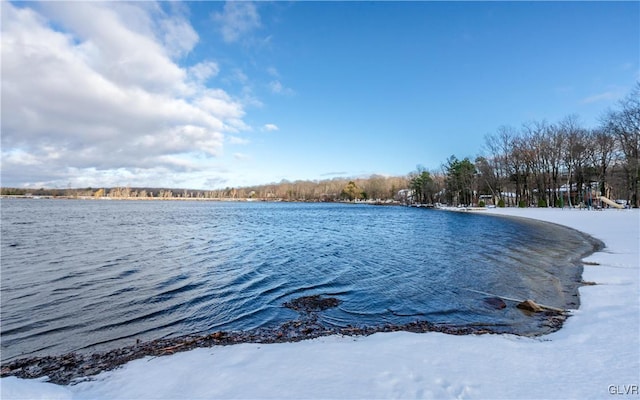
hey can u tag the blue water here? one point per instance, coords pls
(96, 275)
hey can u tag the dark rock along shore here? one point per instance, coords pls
(74, 367)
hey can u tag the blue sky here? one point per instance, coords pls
(210, 94)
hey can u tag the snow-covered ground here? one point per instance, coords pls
(595, 355)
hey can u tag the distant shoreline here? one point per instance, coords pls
(199, 199)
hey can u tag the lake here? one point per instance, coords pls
(96, 275)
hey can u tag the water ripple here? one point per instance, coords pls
(95, 275)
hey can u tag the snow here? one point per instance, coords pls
(596, 354)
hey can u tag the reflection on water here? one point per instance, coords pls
(95, 275)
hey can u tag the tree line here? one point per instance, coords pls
(545, 164)
(375, 187)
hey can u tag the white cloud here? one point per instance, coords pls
(181, 140)
(277, 88)
(273, 72)
(113, 43)
(270, 127)
(203, 71)
(239, 76)
(241, 156)
(19, 158)
(238, 140)
(249, 99)
(105, 98)
(178, 36)
(237, 19)
(604, 96)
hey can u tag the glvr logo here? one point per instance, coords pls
(624, 389)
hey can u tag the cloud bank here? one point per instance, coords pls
(94, 93)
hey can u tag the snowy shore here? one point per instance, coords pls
(595, 355)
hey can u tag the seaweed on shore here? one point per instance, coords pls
(74, 367)
(65, 369)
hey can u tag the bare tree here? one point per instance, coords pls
(624, 124)
(574, 154)
(603, 146)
